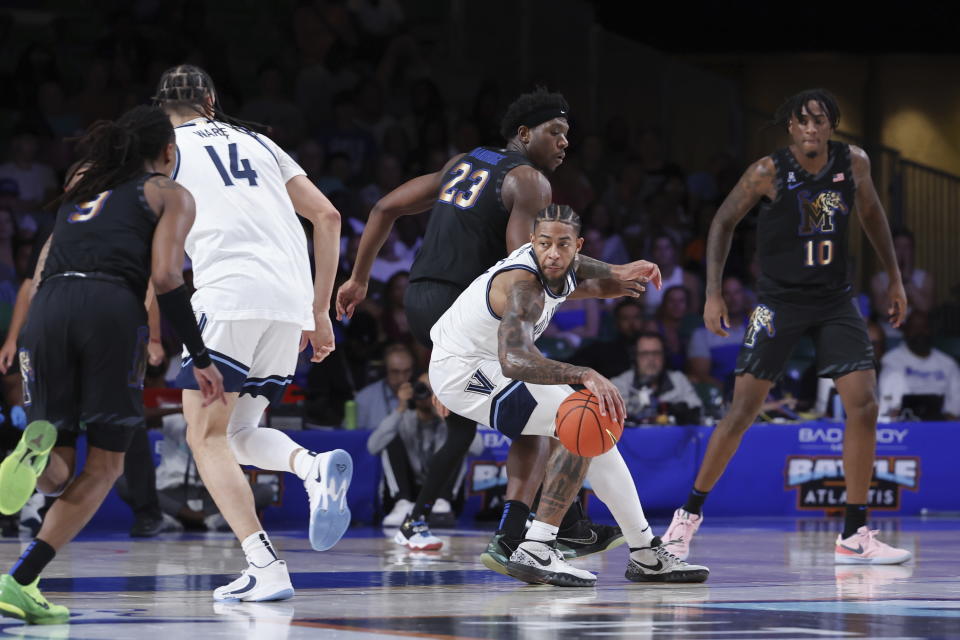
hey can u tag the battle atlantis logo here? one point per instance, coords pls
(819, 482)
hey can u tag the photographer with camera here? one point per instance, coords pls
(406, 440)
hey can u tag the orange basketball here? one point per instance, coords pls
(582, 429)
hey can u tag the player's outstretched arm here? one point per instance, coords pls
(517, 297)
(309, 202)
(413, 196)
(607, 288)
(873, 219)
(757, 181)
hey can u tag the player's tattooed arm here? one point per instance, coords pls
(758, 180)
(519, 357)
(587, 268)
(565, 474)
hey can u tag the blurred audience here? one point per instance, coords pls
(377, 400)
(653, 394)
(918, 381)
(711, 358)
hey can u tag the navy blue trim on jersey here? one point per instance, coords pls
(234, 373)
(186, 124)
(511, 409)
(202, 324)
(257, 138)
(498, 272)
(271, 387)
(176, 167)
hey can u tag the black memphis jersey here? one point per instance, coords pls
(111, 234)
(468, 225)
(802, 233)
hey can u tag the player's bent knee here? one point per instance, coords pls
(107, 465)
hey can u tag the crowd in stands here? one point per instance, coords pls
(351, 93)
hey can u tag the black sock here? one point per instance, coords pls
(855, 516)
(421, 512)
(37, 556)
(513, 524)
(695, 501)
(573, 515)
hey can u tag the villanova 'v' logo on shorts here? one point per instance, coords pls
(480, 383)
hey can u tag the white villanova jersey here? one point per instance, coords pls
(248, 249)
(469, 327)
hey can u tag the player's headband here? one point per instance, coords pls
(541, 115)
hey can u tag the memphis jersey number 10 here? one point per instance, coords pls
(460, 198)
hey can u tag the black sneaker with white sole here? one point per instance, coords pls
(586, 537)
(656, 564)
(537, 562)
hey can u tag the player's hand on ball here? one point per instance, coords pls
(349, 295)
(211, 384)
(611, 402)
(897, 311)
(715, 315)
(640, 270)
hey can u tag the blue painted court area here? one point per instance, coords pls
(770, 578)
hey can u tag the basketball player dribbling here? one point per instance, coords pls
(483, 204)
(485, 367)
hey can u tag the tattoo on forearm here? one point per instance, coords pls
(744, 196)
(565, 474)
(588, 267)
(519, 358)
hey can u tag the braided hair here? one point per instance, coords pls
(187, 87)
(113, 152)
(793, 107)
(558, 213)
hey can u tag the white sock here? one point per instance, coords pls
(258, 549)
(303, 462)
(610, 479)
(261, 447)
(542, 532)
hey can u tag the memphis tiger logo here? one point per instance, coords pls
(760, 320)
(817, 213)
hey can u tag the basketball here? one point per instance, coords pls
(582, 429)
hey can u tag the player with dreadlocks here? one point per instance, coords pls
(257, 308)
(807, 193)
(83, 348)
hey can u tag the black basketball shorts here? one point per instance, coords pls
(82, 359)
(425, 301)
(836, 327)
